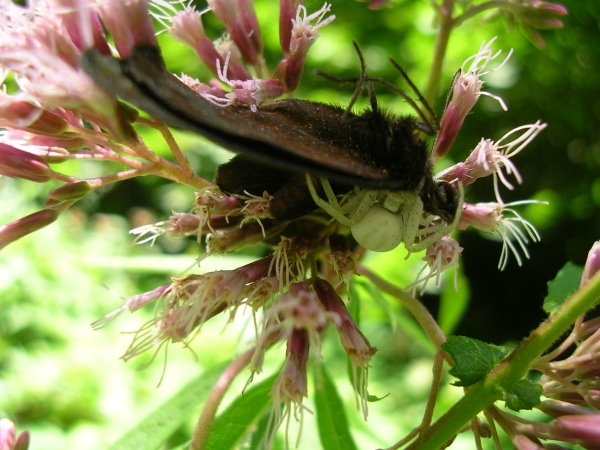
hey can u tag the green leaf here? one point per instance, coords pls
(379, 299)
(473, 358)
(154, 429)
(331, 417)
(562, 287)
(240, 418)
(257, 439)
(524, 394)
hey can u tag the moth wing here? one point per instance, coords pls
(269, 135)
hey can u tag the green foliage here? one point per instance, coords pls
(562, 287)
(524, 394)
(473, 358)
(237, 426)
(155, 428)
(331, 418)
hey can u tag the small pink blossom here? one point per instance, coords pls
(342, 260)
(190, 301)
(466, 90)
(246, 92)
(288, 261)
(440, 255)
(490, 158)
(303, 36)
(352, 339)
(493, 218)
(290, 387)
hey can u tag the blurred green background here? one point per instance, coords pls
(64, 382)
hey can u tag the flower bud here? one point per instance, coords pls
(544, 23)
(129, 23)
(25, 225)
(592, 264)
(287, 12)
(70, 191)
(551, 9)
(32, 118)
(522, 442)
(7, 437)
(583, 429)
(21, 164)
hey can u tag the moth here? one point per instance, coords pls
(374, 153)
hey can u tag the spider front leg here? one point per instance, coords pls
(359, 204)
(436, 232)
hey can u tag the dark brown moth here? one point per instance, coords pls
(285, 139)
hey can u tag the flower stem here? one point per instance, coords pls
(416, 308)
(441, 44)
(207, 417)
(509, 371)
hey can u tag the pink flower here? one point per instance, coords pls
(493, 218)
(7, 437)
(290, 388)
(439, 256)
(353, 341)
(490, 158)
(466, 90)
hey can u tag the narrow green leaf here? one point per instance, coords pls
(154, 429)
(331, 417)
(257, 439)
(473, 358)
(380, 300)
(562, 287)
(407, 323)
(524, 394)
(240, 418)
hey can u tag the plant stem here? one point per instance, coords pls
(416, 308)
(509, 371)
(207, 417)
(441, 44)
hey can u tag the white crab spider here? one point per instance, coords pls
(380, 219)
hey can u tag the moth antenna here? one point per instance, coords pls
(449, 94)
(432, 117)
(429, 124)
(359, 81)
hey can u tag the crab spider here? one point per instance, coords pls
(380, 219)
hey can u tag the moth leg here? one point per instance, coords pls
(438, 231)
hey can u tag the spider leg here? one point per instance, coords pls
(331, 206)
(438, 231)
